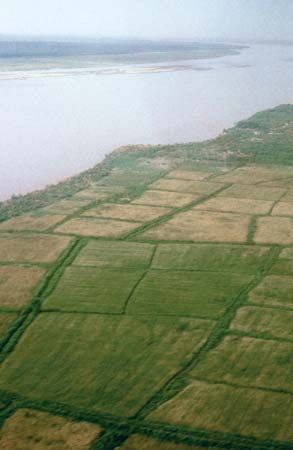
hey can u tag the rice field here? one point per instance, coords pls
(139, 442)
(166, 198)
(28, 429)
(32, 223)
(206, 226)
(89, 289)
(17, 284)
(32, 248)
(115, 254)
(6, 320)
(137, 213)
(106, 351)
(91, 227)
(214, 407)
(249, 362)
(186, 186)
(199, 294)
(153, 308)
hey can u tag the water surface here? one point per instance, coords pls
(53, 125)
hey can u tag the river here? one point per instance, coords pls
(57, 124)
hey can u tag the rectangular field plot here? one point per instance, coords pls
(283, 209)
(188, 186)
(17, 284)
(272, 322)
(210, 257)
(237, 205)
(93, 194)
(138, 213)
(127, 255)
(201, 294)
(89, 289)
(282, 267)
(28, 429)
(65, 206)
(34, 248)
(274, 290)
(165, 198)
(139, 442)
(215, 407)
(194, 175)
(202, 226)
(252, 192)
(284, 264)
(250, 362)
(129, 177)
(122, 361)
(274, 230)
(287, 253)
(97, 227)
(31, 222)
(288, 197)
(255, 174)
(6, 320)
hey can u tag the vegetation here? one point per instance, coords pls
(147, 303)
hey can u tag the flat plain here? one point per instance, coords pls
(147, 303)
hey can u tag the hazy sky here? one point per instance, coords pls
(252, 19)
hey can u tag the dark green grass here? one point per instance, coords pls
(209, 257)
(89, 289)
(202, 294)
(111, 364)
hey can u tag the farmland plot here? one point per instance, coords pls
(250, 362)
(259, 320)
(114, 254)
(202, 294)
(139, 442)
(283, 209)
(252, 192)
(215, 407)
(31, 222)
(210, 257)
(96, 227)
(28, 429)
(165, 198)
(17, 284)
(65, 206)
(193, 175)
(274, 230)
(34, 248)
(190, 187)
(237, 205)
(274, 290)
(6, 320)
(255, 174)
(107, 352)
(202, 226)
(90, 289)
(137, 213)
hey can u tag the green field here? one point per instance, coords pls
(85, 359)
(147, 303)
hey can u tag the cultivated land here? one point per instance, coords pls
(147, 303)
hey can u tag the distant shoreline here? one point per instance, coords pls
(65, 62)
